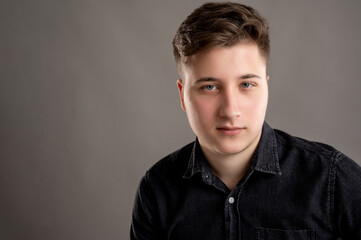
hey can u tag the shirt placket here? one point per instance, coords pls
(233, 222)
(231, 218)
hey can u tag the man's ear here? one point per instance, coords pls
(267, 77)
(180, 85)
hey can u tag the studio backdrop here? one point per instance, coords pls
(88, 101)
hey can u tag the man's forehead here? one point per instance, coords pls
(211, 59)
(189, 61)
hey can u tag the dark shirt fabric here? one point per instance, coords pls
(294, 189)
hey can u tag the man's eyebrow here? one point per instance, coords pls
(212, 79)
(250, 75)
(207, 79)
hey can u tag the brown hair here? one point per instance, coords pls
(220, 24)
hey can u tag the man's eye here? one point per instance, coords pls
(210, 87)
(246, 85)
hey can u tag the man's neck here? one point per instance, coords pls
(231, 168)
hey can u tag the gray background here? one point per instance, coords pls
(88, 101)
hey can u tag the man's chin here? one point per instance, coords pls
(228, 150)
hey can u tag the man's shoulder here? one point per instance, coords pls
(290, 142)
(312, 157)
(174, 164)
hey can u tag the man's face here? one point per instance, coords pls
(225, 93)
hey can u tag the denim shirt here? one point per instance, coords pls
(294, 189)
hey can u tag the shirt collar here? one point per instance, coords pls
(197, 162)
(265, 158)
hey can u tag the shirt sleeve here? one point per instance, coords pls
(347, 198)
(144, 224)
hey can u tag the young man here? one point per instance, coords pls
(241, 179)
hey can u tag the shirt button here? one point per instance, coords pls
(231, 200)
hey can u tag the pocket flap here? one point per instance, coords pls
(279, 234)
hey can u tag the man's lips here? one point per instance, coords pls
(230, 130)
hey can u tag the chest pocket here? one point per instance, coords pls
(273, 234)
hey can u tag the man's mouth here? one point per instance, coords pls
(230, 130)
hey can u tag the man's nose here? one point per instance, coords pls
(230, 104)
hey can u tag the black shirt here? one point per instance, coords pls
(294, 189)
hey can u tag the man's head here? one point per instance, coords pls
(221, 51)
(219, 25)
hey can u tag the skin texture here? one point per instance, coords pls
(224, 92)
